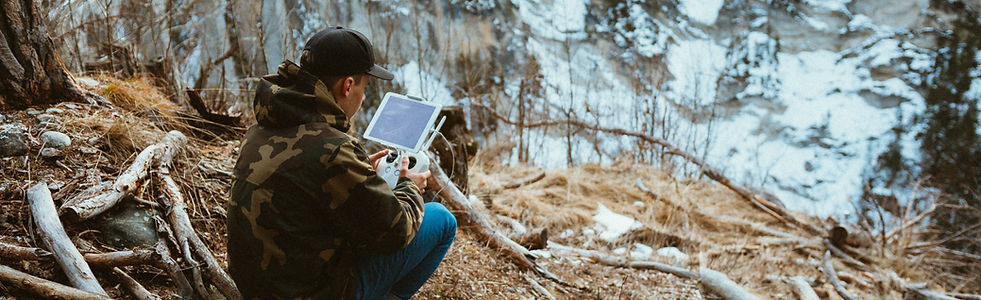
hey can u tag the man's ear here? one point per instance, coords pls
(346, 85)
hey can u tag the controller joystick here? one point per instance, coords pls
(388, 168)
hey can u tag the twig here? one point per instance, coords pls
(803, 290)
(43, 288)
(15, 252)
(524, 182)
(134, 287)
(539, 288)
(723, 286)
(123, 258)
(829, 270)
(56, 240)
(848, 259)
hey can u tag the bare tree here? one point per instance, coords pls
(30, 70)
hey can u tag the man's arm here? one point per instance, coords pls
(362, 206)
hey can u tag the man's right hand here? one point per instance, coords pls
(420, 179)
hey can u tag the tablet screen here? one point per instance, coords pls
(402, 122)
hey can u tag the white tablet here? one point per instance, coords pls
(402, 122)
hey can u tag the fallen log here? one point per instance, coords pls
(723, 286)
(79, 209)
(616, 261)
(134, 287)
(43, 288)
(185, 235)
(829, 271)
(476, 222)
(53, 236)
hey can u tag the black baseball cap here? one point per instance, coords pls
(339, 51)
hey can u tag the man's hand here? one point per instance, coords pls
(419, 178)
(375, 158)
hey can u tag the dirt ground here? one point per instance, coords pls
(712, 225)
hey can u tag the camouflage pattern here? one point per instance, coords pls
(305, 200)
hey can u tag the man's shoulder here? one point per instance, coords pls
(278, 150)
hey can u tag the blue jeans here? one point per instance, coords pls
(403, 273)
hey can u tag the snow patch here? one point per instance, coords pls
(702, 11)
(612, 225)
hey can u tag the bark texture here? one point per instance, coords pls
(31, 72)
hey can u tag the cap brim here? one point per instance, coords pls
(381, 73)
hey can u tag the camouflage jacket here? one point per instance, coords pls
(305, 200)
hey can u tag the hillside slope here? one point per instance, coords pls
(591, 207)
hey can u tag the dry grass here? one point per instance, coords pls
(695, 216)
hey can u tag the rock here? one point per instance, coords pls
(56, 140)
(45, 117)
(13, 140)
(674, 254)
(50, 152)
(129, 226)
(33, 112)
(53, 110)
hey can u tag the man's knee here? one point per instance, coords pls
(443, 217)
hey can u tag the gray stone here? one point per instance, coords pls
(53, 110)
(33, 112)
(50, 152)
(129, 226)
(45, 117)
(56, 140)
(13, 140)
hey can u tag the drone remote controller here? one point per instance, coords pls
(388, 167)
(404, 123)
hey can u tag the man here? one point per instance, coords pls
(309, 217)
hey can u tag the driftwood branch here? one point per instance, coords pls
(134, 287)
(617, 261)
(760, 202)
(123, 258)
(196, 102)
(539, 288)
(53, 236)
(188, 239)
(43, 288)
(475, 221)
(87, 207)
(526, 181)
(803, 290)
(723, 286)
(14, 252)
(829, 271)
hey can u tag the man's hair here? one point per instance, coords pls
(306, 59)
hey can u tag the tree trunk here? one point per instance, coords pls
(31, 72)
